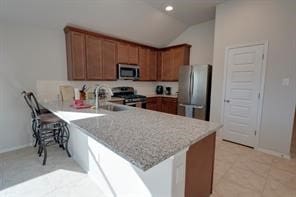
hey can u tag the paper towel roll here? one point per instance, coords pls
(76, 94)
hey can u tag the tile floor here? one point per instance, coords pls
(244, 172)
(239, 172)
(22, 175)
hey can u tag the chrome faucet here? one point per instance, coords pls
(97, 91)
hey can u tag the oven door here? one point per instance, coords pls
(128, 72)
(137, 104)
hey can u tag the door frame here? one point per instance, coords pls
(262, 83)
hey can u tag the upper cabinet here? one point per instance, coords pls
(76, 56)
(94, 68)
(109, 60)
(93, 56)
(122, 52)
(127, 53)
(90, 57)
(148, 64)
(170, 61)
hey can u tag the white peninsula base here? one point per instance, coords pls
(117, 177)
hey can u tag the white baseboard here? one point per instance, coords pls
(15, 148)
(271, 152)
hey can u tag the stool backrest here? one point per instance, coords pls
(32, 103)
(67, 93)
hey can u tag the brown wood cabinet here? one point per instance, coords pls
(109, 60)
(169, 105)
(148, 64)
(90, 57)
(127, 53)
(166, 65)
(133, 54)
(75, 45)
(154, 103)
(162, 104)
(144, 63)
(152, 59)
(122, 52)
(93, 56)
(170, 61)
(199, 172)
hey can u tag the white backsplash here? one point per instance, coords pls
(49, 90)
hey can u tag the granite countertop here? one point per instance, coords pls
(143, 137)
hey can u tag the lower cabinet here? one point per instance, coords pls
(162, 104)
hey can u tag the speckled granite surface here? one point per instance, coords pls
(143, 137)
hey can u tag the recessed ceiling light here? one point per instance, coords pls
(169, 8)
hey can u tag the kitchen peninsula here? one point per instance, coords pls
(136, 152)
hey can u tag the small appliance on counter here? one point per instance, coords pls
(168, 91)
(159, 89)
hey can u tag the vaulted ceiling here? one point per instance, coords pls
(137, 20)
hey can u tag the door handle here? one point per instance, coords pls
(190, 85)
(226, 101)
(198, 107)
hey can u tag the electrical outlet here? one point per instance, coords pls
(285, 82)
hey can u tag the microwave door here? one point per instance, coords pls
(128, 72)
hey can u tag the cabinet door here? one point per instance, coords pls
(122, 53)
(178, 56)
(93, 58)
(76, 56)
(152, 103)
(166, 64)
(152, 62)
(133, 54)
(169, 105)
(109, 59)
(143, 63)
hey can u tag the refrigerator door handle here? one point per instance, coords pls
(198, 107)
(191, 85)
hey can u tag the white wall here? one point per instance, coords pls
(26, 55)
(201, 37)
(239, 22)
(128, 19)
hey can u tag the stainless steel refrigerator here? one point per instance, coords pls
(195, 91)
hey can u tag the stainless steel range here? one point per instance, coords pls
(130, 97)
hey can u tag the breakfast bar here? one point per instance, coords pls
(131, 151)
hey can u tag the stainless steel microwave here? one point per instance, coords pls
(128, 72)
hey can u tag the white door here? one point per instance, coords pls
(242, 94)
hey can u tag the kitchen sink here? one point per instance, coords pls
(113, 108)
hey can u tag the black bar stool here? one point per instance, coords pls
(48, 129)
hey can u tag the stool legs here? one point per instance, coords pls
(59, 134)
(64, 138)
(67, 132)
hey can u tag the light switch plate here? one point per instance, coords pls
(285, 82)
